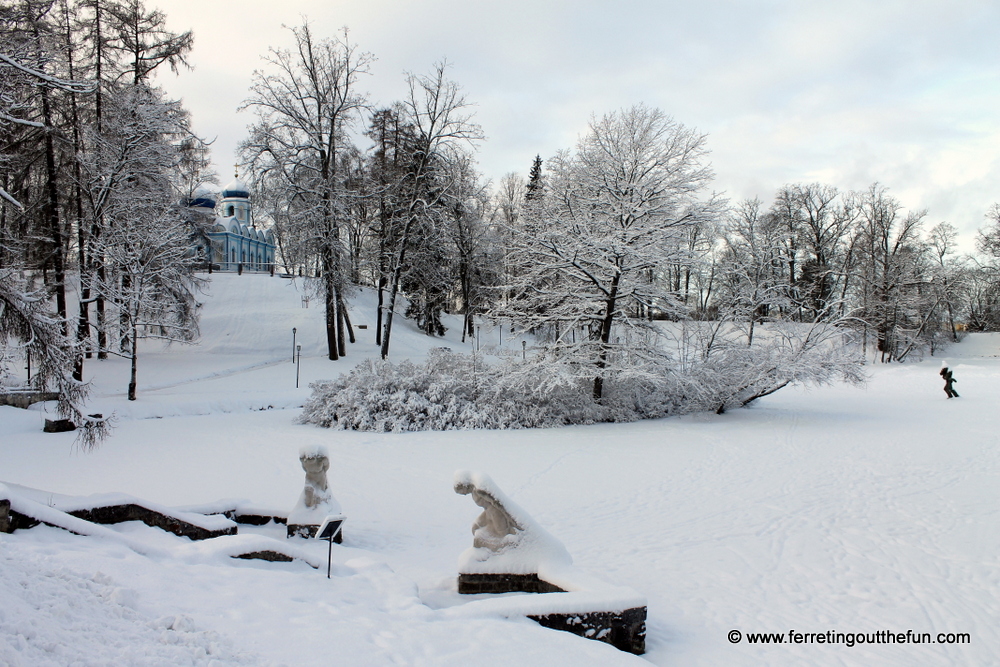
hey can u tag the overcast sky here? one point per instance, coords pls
(845, 93)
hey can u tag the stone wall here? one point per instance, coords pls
(132, 512)
(22, 399)
(625, 630)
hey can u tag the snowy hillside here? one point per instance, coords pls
(836, 509)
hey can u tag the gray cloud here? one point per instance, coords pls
(903, 92)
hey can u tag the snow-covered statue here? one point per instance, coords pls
(317, 489)
(491, 529)
(316, 502)
(505, 541)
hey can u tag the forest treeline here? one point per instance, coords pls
(590, 250)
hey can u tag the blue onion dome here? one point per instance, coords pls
(202, 197)
(236, 189)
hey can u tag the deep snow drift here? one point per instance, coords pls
(840, 509)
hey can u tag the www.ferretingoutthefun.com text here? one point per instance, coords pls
(850, 638)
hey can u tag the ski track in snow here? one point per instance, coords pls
(229, 372)
(843, 509)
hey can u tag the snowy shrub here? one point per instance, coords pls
(709, 372)
(449, 391)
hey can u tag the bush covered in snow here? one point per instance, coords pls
(708, 371)
(449, 391)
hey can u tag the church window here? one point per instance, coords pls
(229, 211)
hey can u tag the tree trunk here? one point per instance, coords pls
(102, 318)
(393, 290)
(83, 321)
(341, 342)
(347, 322)
(55, 235)
(609, 317)
(466, 298)
(135, 355)
(330, 306)
(124, 328)
(397, 274)
(378, 310)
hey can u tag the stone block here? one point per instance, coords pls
(58, 426)
(132, 512)
(23, 399)
(625, 630)
(255, 519)
(5, 516)
(473, 584)
(309, 531)
(268, 555)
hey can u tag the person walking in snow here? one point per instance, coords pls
(949, 380)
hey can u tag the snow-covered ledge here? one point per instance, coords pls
(511, 553)
(29, 507)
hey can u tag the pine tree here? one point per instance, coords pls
(534, 189)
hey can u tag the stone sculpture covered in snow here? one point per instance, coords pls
(316, 502)
(511, 553)
(491, 528)
(509, 550)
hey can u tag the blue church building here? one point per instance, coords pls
(231, 241)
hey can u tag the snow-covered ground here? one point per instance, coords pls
(835, 509)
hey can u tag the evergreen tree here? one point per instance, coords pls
(535, 189)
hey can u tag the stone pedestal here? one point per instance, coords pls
(473, 584)
(309, 531)
(58, 426)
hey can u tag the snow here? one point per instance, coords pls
(836, 508)
(313, 516)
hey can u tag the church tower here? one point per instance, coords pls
(235, 202)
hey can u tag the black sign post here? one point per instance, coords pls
(328, 531)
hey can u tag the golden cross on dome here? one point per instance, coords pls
(236, 169)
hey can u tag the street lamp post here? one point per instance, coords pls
(293, 344)
(298, 364)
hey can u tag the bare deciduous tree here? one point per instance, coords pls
(441, 123)
(305, 105)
